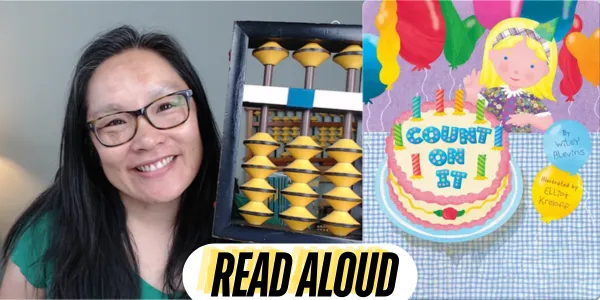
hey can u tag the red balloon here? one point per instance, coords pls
(422, 31)
(572, 80)
(577, 24)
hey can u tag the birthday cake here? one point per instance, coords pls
(448, 164)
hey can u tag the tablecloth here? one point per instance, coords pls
(524, 259)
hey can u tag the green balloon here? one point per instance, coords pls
(461, 36)
(474, 29)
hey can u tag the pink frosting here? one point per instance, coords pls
(404, 177)
(416, 220)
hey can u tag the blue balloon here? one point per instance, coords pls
(371, 84)
(565, 24)
(547, 10)
(567, 145)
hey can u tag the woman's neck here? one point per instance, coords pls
(155, 217)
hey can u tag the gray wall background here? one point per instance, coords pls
(41, 41)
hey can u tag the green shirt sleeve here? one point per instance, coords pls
(29, 251)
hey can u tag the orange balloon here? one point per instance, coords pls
(386, 7)
(587, 52)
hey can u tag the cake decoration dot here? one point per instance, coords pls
(483, 133)
(448, 135)
(442, 178)
(469, 135)
(437, 157)
(410, 136)
(456, 156)
(458, 177)
(431, 134)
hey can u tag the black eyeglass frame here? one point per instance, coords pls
(187, 94)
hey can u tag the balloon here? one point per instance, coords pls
(389, 43)
(461, 37)
(571, 82)
(577, 24)
(544, 11)
(372, 86)
(474, 29)
(422, 31)
(490, 13)
(555, 193)
(587, 52)
(567, 145)
(566, 22)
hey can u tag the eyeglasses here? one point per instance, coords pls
(163, 113)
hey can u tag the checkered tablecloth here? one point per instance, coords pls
(524, 259)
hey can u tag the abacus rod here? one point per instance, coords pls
(309, 77)
(350, 79)
(264, 111)
(360, 80)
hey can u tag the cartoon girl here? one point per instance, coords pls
(518, 71)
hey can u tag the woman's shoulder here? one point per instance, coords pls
(37, 227)
(30, 246)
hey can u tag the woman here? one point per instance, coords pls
(133, 196)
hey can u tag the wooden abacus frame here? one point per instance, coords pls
(250, 35)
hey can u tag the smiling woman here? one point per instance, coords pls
(133, 196)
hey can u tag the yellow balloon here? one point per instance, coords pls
(556, 193)
(386, 9)
(388, 46)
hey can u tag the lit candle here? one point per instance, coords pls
(479, 113)
(497, 138)
(416, 164)
(458, 102)
(481, 167)
(439, 102)
(398, 145)
(416, 108)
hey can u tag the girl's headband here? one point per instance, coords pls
(527, 33)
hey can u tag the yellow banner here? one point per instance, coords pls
(315, 270)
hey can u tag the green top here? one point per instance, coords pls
(33, 244)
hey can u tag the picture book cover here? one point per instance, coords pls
(481, 144)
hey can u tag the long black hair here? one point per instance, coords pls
(89, 245)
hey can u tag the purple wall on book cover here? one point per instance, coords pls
(379, 115)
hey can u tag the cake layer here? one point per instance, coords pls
(445, 217)
(426, 189)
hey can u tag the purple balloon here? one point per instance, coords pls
(491, 12)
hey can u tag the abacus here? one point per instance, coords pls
(309, 136)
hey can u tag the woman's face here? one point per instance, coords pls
(156, 166)
(519, 66)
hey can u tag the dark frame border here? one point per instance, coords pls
(249, 35)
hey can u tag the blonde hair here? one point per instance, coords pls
(489, 77)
